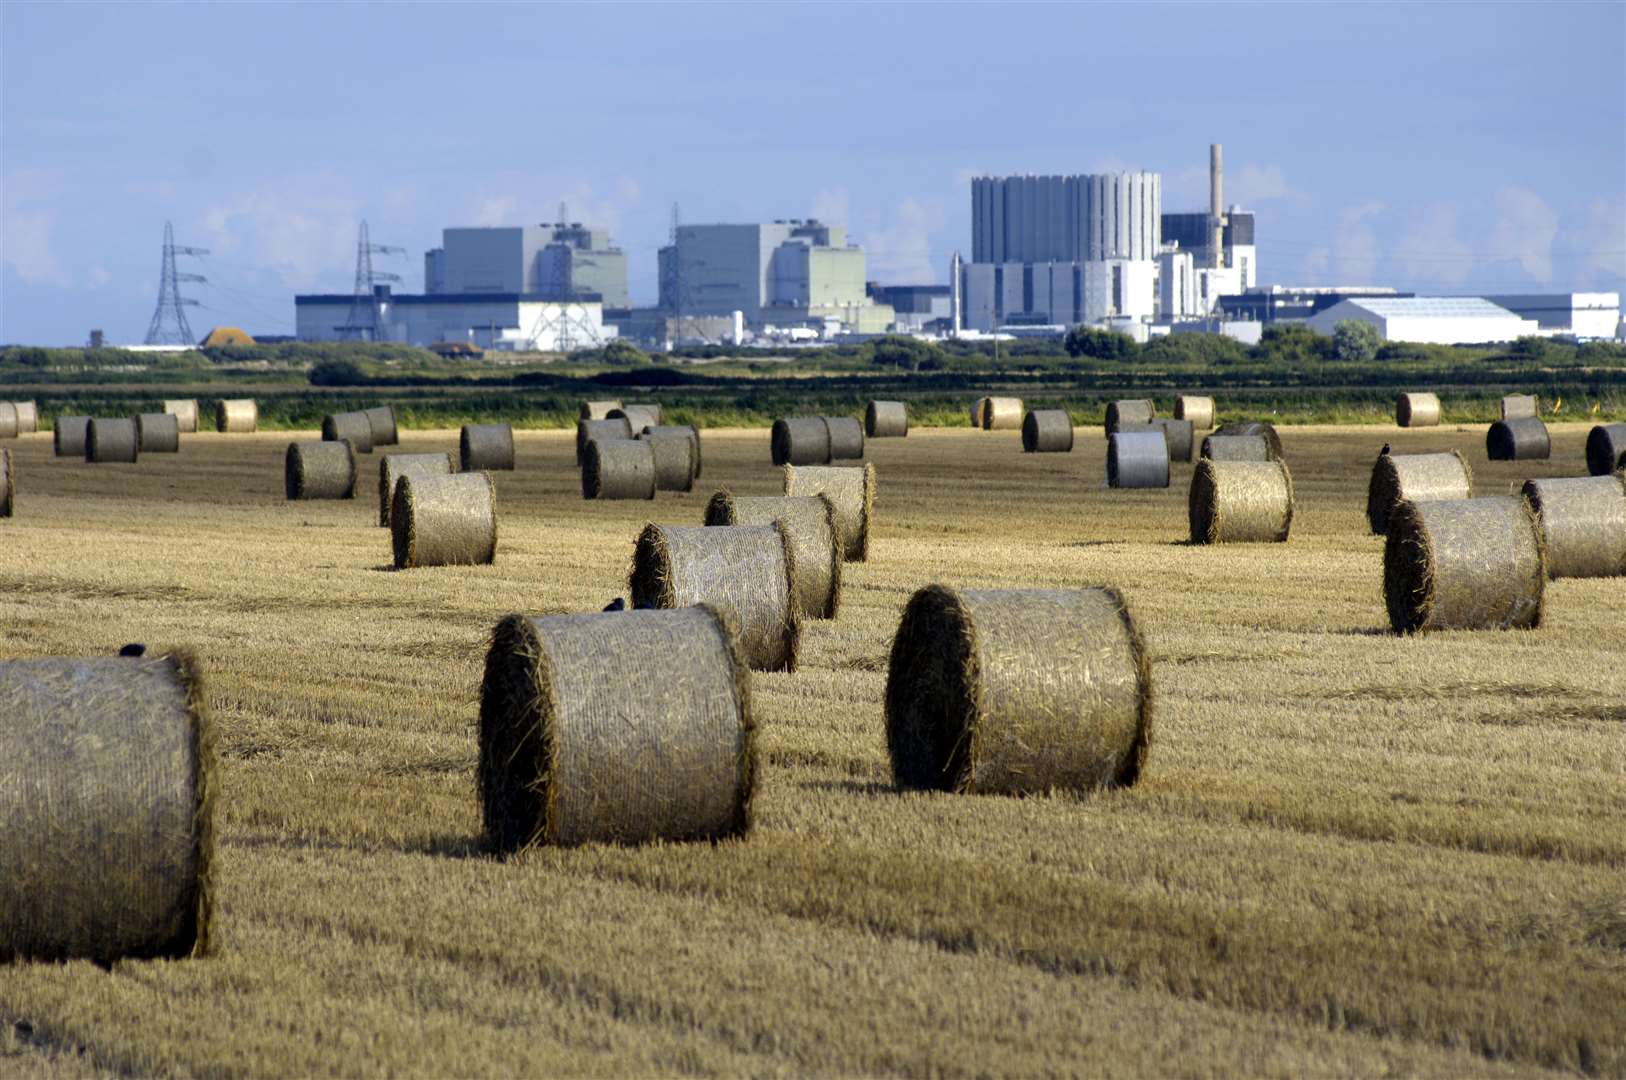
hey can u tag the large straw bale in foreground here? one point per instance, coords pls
(112, 440)
(588, 430)
(391, 467)
(1129, 411)
(674, 457)
(381, 422)
(68, 436)
(1236, 448)
(319, 470)
(1137, 459)
(1583, 524)
(810, 522)
(1414, 478)
(1017, 691)
(618, 469)
(1254, 427)
(1199, 410)
(800, 440)
(444, 520)
(8, 420)
(1606, 449)
(1519, 406)
(351, 427)
(486, 448)
(1417, 410)
(638, 414)
(599, 410)
(846, 438)
(1180, 436)
(688, 431)
(886, 420)
(28, 417)
(185, 412)
(1047, 431)
(8, 484)
(1240, 502)
(1524, 439)
(1003, 414)
(852, 492)
(747, 572)
(620, 728)
(1464, 564)
(106, 791)
(158, 433)
(237, 416)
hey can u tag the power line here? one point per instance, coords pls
(366, 319)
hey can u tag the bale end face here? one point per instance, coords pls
(8, 484)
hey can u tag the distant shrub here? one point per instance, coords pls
(1098, 344)
(337, 373)
(1355, 341)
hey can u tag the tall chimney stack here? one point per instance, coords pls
(1216, 205)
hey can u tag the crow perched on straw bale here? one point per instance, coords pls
(135, 648)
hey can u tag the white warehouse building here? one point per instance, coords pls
(504, 321)
(1428, 320)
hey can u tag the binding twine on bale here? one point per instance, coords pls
(1179, 435)
(1606, 449)
(673, 453)
(1003, 414)
(615, 728)
(1525, 439)
(688, 431)
(846, 438)
(237, 416)
(1583, 524)
(1414, 478)
(1137, 459)
(598, 410)
(886, 420)
(747, 572)
(1417, 410)
(1047, 431)
(185, 412)
(381, 424)
(8, 484)
(1199, 410)
(618, 469)
(391, 467)
(588, 430)
(1464, 564)
(444, 520)
(111, 441)
(158, 433)
(810, 522)
(68, 436)
(1134, 411)
(486, 448)
(351, 427)
(1240, 502)
(639, 416)
(852, 492)
(1520, 406)
(1017, 692)
(320, 470)
(107, 791)
(801, 440)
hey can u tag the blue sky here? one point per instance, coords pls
(1439, 147)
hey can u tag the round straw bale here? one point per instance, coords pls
(8, 484)
(444, 520)
(185, 412)
(747, 572)
(979, 412)
(886, 420)
(1254, 427)
(28, 417)
(1606, 449)
(1137, 459)
(852, 492)
(1417, 410)
(1414, 478)
(1519, 406)
(674, 458)
(1199, 410)
(237, 416)
(618, 469)
(486, 448)
(615, 728)
(1134, 411)
(1525, 439)
(1240, 502)
(1583, 524)
(320, 470)
(1236, 448)
(846, 438)
(352, 427)
(381, 419)
(1180, 436)
(587, 430)
(1047, 431)
(1464, 564)
(801, 440)
(111, 441)
(68, 435)
(1003, 414)
(8, 420)
(106, 788)
(391, 467)
(599, 410)
(688, 431)
(1017, 692)
(810, 522)
(158, 433)
(640, 416)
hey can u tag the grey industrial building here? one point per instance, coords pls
(561, 262)
(915, 308)
(1272, 303)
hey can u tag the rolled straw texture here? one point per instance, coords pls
(802, 440)
(747, 572)
(688, 431)
(674, 458)
(639, 416)
(8, 420)
(1254, 427)
(444, 520)
(1199, 410)
(28, 417)
(886, 420)
(486, 448)
(1017, 692)
(111, 441)
(158, 433)
(1180, 436)
(1047, 431)
(106, 789)
(599, 410)
(319, 470)
(979, 411)
(1133, 411)
(618, 469)
(846, 438)
(1236, 448)
(8, 484)
(68, 435)
(1606, 449)
(1417, 410)
(852, 492)
(619, 728)
(185, 412)
(1525, 439)
(810, 522)
(1137, 459)
(1003, 414)
(1464, 564)
(1519, 406)
(1583, 524)
(351, 427)
(238, 416)
(1240, 502)
(391, 467)
(1415, 478)
(381, 420)
(588, 430)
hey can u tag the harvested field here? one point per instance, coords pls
(1350, 852)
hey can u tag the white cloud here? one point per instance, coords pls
(1355, 244)
(832, 206)
(302, 230)
(581, 200)
(1259, 183)
(1524, 229)
(99, 277)
(495, 210)
(1431, 250)
(902, 250)
(27, 222)
(1605, 240)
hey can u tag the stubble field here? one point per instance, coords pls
(1350, 853)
